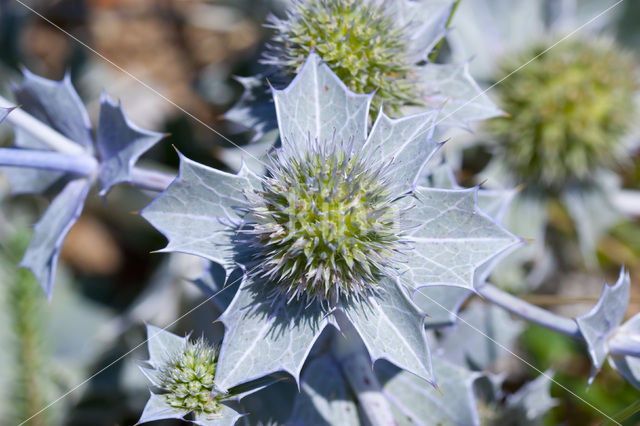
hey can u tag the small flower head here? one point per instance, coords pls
(570, 108)
(358, 39)
(186, 378)
(326, 223)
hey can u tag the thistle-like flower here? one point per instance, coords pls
(326, 222)
(332, 235)
(182, 374)
(570, 108)
(361, 41)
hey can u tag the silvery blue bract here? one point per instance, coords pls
(449, 237)
(119, 144)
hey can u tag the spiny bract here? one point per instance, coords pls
(569, 109)
(187, 378)
(326, 223)
(358, 39)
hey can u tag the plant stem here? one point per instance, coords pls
(83, 165)
(151, 179)
(550, 320)
(40, 131)
(356, 366)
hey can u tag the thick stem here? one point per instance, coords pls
(82, 165)
(40, 131)
(151, 179)
(550, 320)
(356, 366)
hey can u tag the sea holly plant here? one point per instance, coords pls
(334, 234)
(380, 47)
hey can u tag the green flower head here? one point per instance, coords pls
(186, 378)
(359, 40)
(326, 222)
(570, 108)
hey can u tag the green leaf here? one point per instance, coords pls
(451, 239)
(199, 212)
(41, 257)
(451, 87)
(324, 397)
(318, 106)
(414, 402)
(606, 315)
(408, 141)
(392, 328)
(266, 335)
(120, 143)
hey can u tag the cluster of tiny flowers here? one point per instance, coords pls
(359, 41)
(326, 224)
(187, 378)
(570, 108)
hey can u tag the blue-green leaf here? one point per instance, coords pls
(451, 239)
(628, 366)
(606, 315)
(451, 87)
(415, 402)
(392, 328)
(41, 257)
(162, 344)
(441, 303)
(254, 109)
(200, 211)
(158, 409)
(324, 397)
(528, 404)
(225, 417)
(4, 112)
(408, 141)
(120, 144)
(265, 335)
(318, 106)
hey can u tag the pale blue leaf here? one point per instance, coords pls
(324, 398)
(264, 336)
(200, 211)
(415, 402)
(452, 239)
(627, 336)
(441, 303)
(255, 109)
(392, 328)
(162, 345)
(451, 87)
(607, 314)
(530, 402)
(318, 106)
(483, 333)
(41, 258)
(4, 112)
(120, 144)
(157, 409)
(56, 104)
(408, 141)
(214, 281)
(226, 416)
(425, 22)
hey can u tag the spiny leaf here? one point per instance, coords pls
(606, 315)
(158, 409)
(3, 113)
(264, 337)
(49, 233)
(414, 402)
(441, 303)
(629, 335)
(408, 141)
(318, 106)
(254, 109)
(199, 211)
(120, 144)
(392, 328)
(444, 250)
(324, 396)
(451, 87)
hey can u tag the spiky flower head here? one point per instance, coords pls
(569, 107)
(326, 223)
(358, 39)
(186, 378)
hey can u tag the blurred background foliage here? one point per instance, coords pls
(189, 50)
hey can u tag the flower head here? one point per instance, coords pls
(186, 378)
(569, 109)
(326, 222)
(360, 40)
